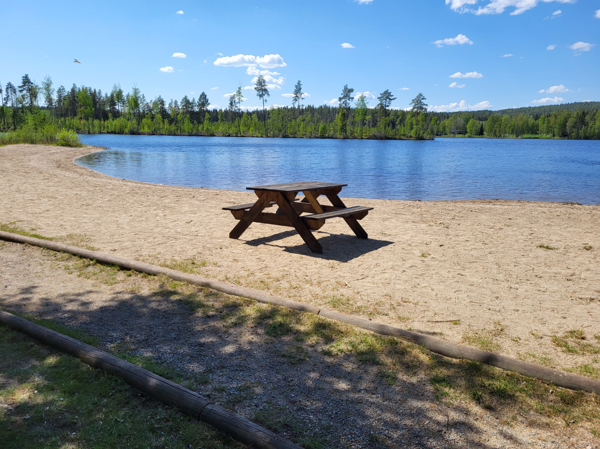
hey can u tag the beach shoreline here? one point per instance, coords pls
(516, 272)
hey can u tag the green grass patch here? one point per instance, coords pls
(49, 135)
(53, 400)
(546, 247)
(14, 229)
(576, 342)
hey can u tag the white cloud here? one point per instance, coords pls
(252, 70)
(557, 13)
(229, 95)
(333, 102)
(498, 6)
(582, 46)
(213, 88)
(304, 95)
(213, 106)
(272, 83)
(550, 47)
(266, 62)
(467, 75)
(179, 55)
(180, 12)
(597, 15)
(248, 87)
(508, 55)
(455, 85)
(347, 45)
(368, 95)
(548, 100)
(167, 69)
(205, 61)
(364, 2)
(404, 88)
(462, 106)
(461, 39)
(554, 90)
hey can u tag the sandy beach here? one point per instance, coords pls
(454, 268)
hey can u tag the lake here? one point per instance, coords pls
(442, 169)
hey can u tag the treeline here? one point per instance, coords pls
(87, 110)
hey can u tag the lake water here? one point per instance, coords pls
(443, 169)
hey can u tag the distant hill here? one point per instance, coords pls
(530, 111)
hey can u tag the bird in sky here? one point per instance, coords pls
(77, 61)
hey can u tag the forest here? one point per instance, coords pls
(80, 109)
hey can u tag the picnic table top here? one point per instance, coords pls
(297, 186)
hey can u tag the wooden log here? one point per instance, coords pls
(434, 344)
(157, 387)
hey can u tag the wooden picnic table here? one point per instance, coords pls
(290, 210)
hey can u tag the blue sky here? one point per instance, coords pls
(461, 54)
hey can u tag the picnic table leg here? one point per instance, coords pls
(352, 222)
(304, 232)
(263, 201)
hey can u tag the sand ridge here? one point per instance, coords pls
(454, 268)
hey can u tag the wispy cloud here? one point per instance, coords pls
(554, 90)
(179, 55)
(461, 106)
(550, 47)
(455, 85)
(581, 46)
(498, 6)
(167, 69)
(347, 45)
(508, 55)
(548, 100)
(404, 88)
(304, 95)
(180, 12)
(557, 13)
(252, 70)
(461, 39)
(364, 2)
(213, 88)
(333, 102)
(597, 15)
(266, 62)
(466, 75)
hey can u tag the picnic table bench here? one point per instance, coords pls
(290, 210)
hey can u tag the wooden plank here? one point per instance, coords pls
(298, 224)
(356, 212)
(313, 201)
(301, 206)
(245, 206)
(249, 216)
(298, 186)
(352, 222)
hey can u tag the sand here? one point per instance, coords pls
(462, 270)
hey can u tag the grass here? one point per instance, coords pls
(53, 400)
(49, 135)
(546, 247)
(14, 229)
(576, 342)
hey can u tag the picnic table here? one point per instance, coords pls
(290, 210)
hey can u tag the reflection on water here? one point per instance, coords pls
(444, 169)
